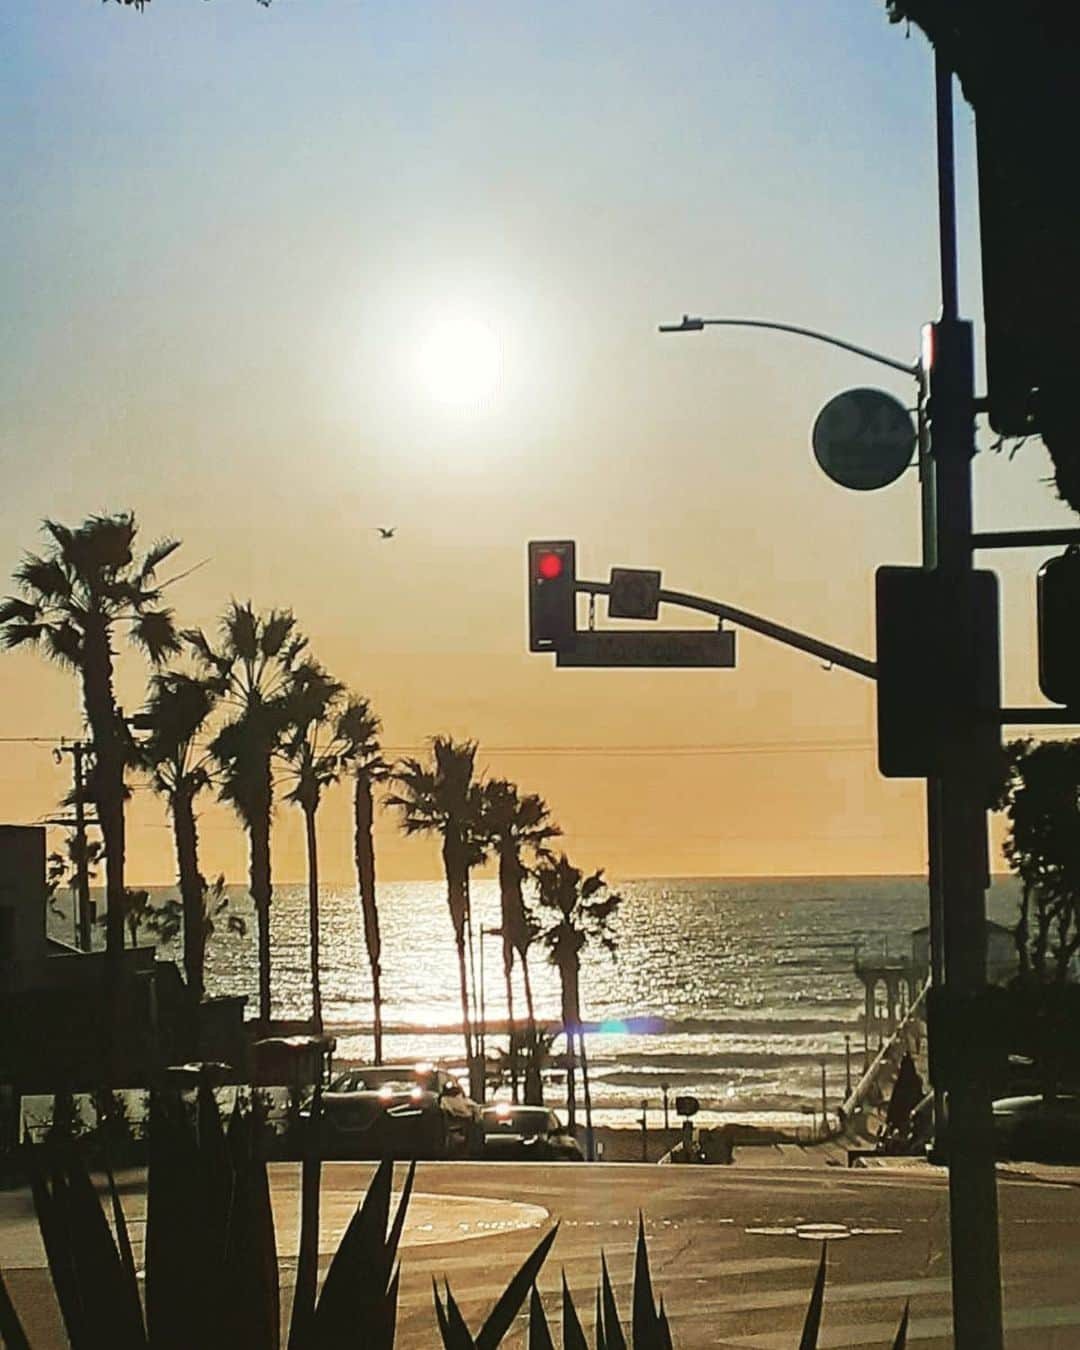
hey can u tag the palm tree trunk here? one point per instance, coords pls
(192, 885)
(466, 1023)
(476, 1080)
(313, 915)
(590, 1146)
(508, 968)
(512, 933)
(259, 839)
(568, 979)
(364, 851)
(457, 896)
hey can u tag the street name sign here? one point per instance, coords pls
(864, 439)
(694, 648)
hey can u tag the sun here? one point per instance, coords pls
(460, 362)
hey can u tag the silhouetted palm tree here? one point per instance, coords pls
(361, 755)
(176, 712)
(584, 910)
(74, 597)
(249, 671)
(310, 750)
(515, 825)
(443, 798)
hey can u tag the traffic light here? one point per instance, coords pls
(552, 607)
(932, 678)
(1017, 63)
(1057, 591)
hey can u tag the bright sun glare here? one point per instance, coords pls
(460, 362)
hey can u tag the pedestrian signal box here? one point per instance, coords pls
(552, 590)
(1058, 601)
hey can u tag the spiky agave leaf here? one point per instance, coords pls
(573, 1334)
(812, 1324)
(176, 1236)
(539, 1331)
(11, 1330)
(601, 1339)
(901, 1331)
(307, 1260)
(665, 1329)
(54, 1238)
(251, 1315)
(613, 1333)
(110, 1298)
(358, 1289)
(457, 1335)
(645, 1323)
(502, 1315)
(123, 1238)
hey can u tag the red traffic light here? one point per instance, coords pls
(549, 566)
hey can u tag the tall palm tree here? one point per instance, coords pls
(361, 755)
(583, 911)
(515, 825)
(443, 798)
(74, 597)
(249, 672)
(176, 713)
(311, 752)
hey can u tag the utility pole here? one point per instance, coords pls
(84, 906)
(957, 800)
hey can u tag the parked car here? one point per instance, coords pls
(527, 1133)
(1033, 1130)
(399, 1111)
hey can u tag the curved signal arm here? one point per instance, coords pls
(741, 618)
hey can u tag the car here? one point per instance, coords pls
(527, 1133)
(1031, 1129)
(399, 1111)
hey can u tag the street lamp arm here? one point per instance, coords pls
(691, 324)
(790, 637)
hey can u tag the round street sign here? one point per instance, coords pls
(864, 439)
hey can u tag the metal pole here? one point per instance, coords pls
(483, 1013)
(824, 1101)
(847, 1066)
(82, 869)
(959, 798)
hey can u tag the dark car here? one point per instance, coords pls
(527, 1133)
(1033, 1130)
(400, 1111)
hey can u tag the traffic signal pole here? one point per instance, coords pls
(957, 801)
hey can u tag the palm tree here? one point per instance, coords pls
(515, 824)
(315, 765)
(176, 713)
(86, 585)
(249, 672)
(361, 754)
(583, 909)
(443, 798)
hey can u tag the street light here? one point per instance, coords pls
(692, 324)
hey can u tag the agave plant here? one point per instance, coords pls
(211, 1257)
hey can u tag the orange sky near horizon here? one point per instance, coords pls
(223, 321)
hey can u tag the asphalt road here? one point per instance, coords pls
(733, 1250)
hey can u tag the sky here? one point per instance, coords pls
(276, 276)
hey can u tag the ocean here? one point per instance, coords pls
(734, 991)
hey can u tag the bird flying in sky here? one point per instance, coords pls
(386, 532)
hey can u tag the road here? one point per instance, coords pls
(733, 1249)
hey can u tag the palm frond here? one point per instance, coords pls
(155, 632)
(44, 578)
(155, 556)
(16, 634)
